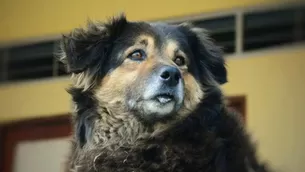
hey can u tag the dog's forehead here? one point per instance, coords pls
(167, 30)
(159, 32)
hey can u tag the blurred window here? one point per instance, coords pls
(236, 32)
(222, 30)
(271, 28)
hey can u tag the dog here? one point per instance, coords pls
(147, 98)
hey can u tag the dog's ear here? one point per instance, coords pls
(84, 47)
(211, 55)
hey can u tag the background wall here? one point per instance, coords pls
(273, 81)
(274, 85)
(31, 18)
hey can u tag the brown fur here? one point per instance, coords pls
(201, 136)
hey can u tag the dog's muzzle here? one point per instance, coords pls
(168, 80)
(164, 91)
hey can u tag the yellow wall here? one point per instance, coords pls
(30, 18)
(34, 99)
(273, 82)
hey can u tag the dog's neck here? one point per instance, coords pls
(200, 141)
(115, 129)
(120, 135)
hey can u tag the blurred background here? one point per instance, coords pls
(264, 43)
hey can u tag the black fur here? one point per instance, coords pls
(208, 56)
(93, 47)
(86, 114)
(210, 139)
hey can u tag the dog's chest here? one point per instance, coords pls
(184, 157)
(165, 158)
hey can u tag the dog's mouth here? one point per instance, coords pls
(165, 98)
(159, 101)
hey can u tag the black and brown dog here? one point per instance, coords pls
(147, 97)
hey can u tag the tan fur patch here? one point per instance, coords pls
(113, 86)
(172, 50)
(143, 42)
(193, 94)
(148, 41)
(83, 80)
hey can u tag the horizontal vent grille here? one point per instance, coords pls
(271, 28)
(2, 66)
(34, 61)
(302, 21)
(222, 30)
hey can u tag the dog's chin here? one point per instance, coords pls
(157, 102)
(160, 107)
(157, 108)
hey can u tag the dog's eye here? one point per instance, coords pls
(137, 55)
(179, 60)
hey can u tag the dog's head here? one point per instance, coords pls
(154, 71)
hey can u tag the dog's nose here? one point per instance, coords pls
(170, 75)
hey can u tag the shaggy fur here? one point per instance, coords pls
(113, 132)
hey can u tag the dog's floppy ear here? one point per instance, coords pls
(211, 54)
(84, 47)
